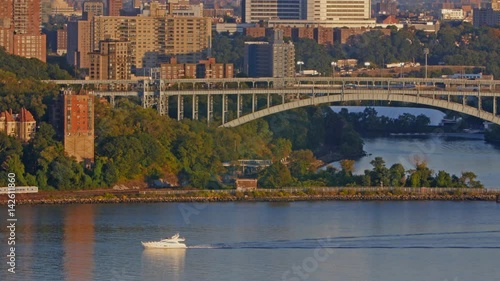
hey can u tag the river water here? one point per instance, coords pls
(344, 241)
(453, 155)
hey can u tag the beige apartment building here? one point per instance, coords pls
(94, 7)
(153, 39)
(79, 45)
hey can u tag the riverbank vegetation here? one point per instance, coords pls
(279, 175)
(369, 122)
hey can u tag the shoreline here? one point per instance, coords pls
(110, 197)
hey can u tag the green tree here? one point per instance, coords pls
(379, 174)
(276, 176)
(281, 148)
(397, 175)
(443, 179)
(347, 166)
(302, 163)
(468, 179)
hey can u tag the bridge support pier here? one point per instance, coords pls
(180, 107)
(112, 100)
(254, 102)
(147, 99)
(162, 103)
(195, 107)
(210, 108)
(268, 100)
(494, 106)
(224, 108)
(239, 103)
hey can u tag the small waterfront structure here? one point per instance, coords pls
(246, 184)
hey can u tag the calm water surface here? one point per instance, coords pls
(449, 154)
(260, 241)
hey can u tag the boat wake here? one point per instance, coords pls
(443, 240)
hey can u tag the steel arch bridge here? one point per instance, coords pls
(460, 95)
(422, 97)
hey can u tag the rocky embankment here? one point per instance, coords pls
(257, 196)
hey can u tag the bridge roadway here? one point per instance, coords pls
(295, 92)
(272, 80)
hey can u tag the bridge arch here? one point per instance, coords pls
(401, 97)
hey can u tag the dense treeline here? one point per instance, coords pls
(137, 145)
(30, 68)
(454, 44)
(318, 129)
(369, 122)
(304, 174)
(18, 92)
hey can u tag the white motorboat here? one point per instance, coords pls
(166, 243)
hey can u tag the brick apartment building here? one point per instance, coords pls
(203, 69)
(73, 119)
(20, 29)
(112, 62)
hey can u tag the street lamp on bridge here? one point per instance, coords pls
(300, 63)
(426, 52)
(333, 64)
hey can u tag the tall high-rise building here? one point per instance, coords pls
(327, 13)
(73, 119)
(114, 7)
(257, 10)
(154, 36)
(79, 43)
(20, 28)
(95, 7)
(337, 13)
(273, 59)
(154, 39)
(62, 41)
(112, 62)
